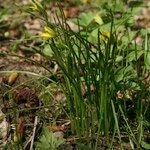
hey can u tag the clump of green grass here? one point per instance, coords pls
(97, 65)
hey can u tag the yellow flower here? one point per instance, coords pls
(48, 33)
(36, 5)
(105, 36)
(98, 19)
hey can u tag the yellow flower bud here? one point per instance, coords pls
(105, 36)
(48, 33)
(98, 19)
(36, 6)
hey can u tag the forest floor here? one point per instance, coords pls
(21, 71)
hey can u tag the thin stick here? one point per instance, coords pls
(26, 144)
(34, 129)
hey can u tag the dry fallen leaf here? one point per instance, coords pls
(71, 12)
(55, 128)
(12, 78)
(4, 128)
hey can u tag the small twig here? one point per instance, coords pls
(26, 144)
(34, 129)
